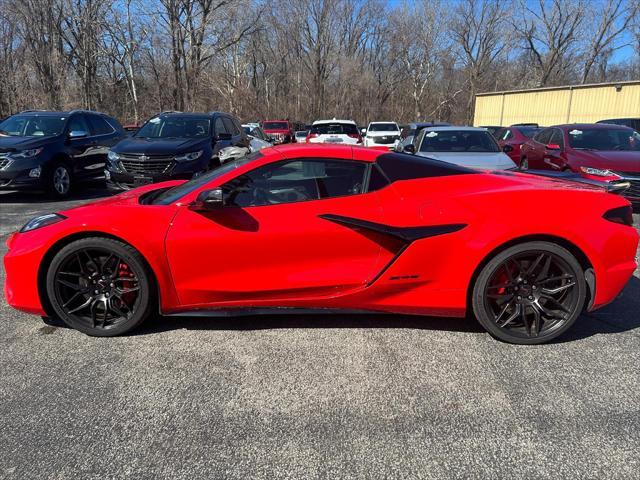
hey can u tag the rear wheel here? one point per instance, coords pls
(530, 293)
(100, 286)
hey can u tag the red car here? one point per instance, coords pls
(603, 152)
(330, 228)
(280, 130)
(511, 139)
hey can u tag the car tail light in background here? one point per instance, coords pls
(310, 136)
(355, 135)
(622, 215)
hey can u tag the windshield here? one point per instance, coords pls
(334, 129)
(383, 127)
(458, 141)
(275, 126)
(175, 127)
(529, 132)
(604, 139)
(32, 126)
(167, 197)
(301, 133)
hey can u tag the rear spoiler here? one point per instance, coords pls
(612, 187)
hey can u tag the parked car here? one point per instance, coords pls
(610, 153)
(408, 132)
(334, 131)
(468, 146)
(492, 129)
(255, 131)
(300, 136)
(281, 131)
(511, 138)
(382, 134)
(312, 228)
(55, 150)
(627, 122)
(172, 145)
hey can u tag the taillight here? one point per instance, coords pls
(355, 135)
(310, 136)
(622, 215)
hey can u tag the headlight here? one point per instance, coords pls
(42, 221)
(597, 171)
(26, 153)
(113, 156)
(188, 157)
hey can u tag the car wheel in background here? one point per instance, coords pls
(100, 286)
(59, 180)
(529, 293)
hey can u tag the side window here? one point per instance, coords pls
(219, 126)
(237, 127)
(417, 139)
(295, 181)
(77, 123)
(98, 125)
(543, 136)
(557, 138)
(231, 128)
(506, 134)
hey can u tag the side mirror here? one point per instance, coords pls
(224, 136)
(73, 134)
(208, 200)
(409, 148)
(507, 149)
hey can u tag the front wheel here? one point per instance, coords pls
(99, 286)
(58, 181)
(529, 293)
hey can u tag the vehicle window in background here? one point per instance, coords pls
(556, 138)
(543, 136)
(383, 127)
(231, 128)
(334, 129)
(581, 138)
(458, 141)
(220, 127)
(295, 181)
(275, 125)
(528, 131)
(99, 126)
(32, 126)
(175, 127)
(78, 124)
(505, 134)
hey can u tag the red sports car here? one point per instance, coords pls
(332, 228)
(603, 152)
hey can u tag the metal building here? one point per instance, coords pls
(557, 105)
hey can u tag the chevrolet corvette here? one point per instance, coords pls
(331, 229)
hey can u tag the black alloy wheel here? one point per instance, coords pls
(99, 286)
(530, 293)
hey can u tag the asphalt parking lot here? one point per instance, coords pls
(315, 396)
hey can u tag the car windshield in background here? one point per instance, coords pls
(334, 129)
(32, 126)
(604, 139)
(383, 127)
(458, 141)
(275, 126)
(529, 132)
(166, 197)
(175, 127)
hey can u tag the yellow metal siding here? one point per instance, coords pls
(556, 106)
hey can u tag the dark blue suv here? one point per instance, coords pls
(172, 145)
(55, 150)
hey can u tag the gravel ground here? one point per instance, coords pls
(316, 396)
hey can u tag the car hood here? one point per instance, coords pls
(479, 160)
(159, 146)
(11, 144)
(615, 160)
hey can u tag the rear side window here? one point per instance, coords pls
(99, 126)
(401, 166)
(543, 136)
(557, 138)
(78, 124)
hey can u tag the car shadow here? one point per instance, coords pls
(620, 316)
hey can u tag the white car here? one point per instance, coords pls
(467, 146)
(382, 134)
(344, 132)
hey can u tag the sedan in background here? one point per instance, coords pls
(382, 134)
(605, 152)
(510, 140)
(343, 132)
(468, 146)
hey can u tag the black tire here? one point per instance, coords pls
(101, 287)
(524, 164)
(539, 294)
(58, 180)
